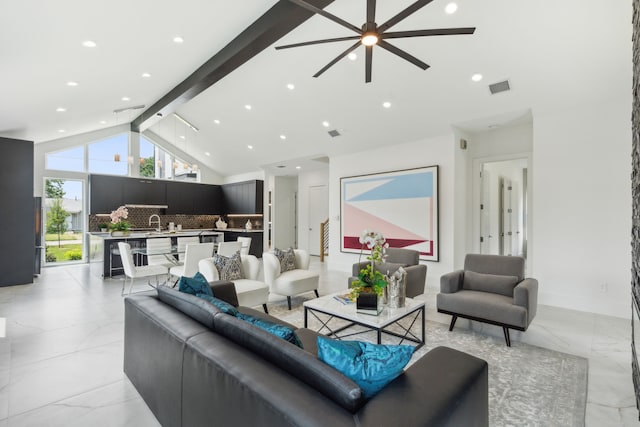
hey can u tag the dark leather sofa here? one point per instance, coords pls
(196, 366)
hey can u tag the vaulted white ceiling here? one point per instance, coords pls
(555, 54)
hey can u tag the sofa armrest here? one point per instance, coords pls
(416, 279)
(271, 267)
(225, 291)
(525, 294)
(451, 282)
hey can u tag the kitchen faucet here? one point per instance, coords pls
(159, 228)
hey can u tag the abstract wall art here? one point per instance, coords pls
(402, 205)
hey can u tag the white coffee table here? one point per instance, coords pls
(335, 309)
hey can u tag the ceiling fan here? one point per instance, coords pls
(372, 34)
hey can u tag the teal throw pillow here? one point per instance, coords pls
(224, 306)
(195, 285)
(280, 331)
(371, 366)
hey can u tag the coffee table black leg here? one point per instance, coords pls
(305, 319)
(379, 336)
(423, 337)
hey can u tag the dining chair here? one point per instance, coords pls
(228, 248)
(132, 271)
(158, 249)
(182, 244)
(246, 245)
(194, 252)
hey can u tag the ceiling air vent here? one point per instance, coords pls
(333, 133)
(499, 87)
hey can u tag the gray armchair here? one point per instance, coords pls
(490, 289)
(397, 257)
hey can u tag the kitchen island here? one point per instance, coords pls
(104, 256)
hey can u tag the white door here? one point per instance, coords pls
(318, 212)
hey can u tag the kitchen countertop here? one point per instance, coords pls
(142, 234)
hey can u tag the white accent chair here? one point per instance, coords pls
(194, 252)
(291, 282)
(182, 245)
(251, 292)
(131, 271)
(246, 245)
(228, 248)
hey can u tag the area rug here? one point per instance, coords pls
(528, 385)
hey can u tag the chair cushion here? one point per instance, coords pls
(287, 259)
(280, 331)
(194, 307)
(195, 285)
(493, 283)
(371, 366)
(229, 268)
(484, 305)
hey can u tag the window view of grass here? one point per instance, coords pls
(63, 225)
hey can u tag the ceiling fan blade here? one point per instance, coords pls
(368, 62)
(371, 11)
(400, 16)
(424, 33)
(337, 39)
(327, 15)
(337, 58)
(402, 54)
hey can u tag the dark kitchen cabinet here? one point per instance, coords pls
(105, 193)
(194, 199)
(256, 247)
(244, 197)
(138, 191)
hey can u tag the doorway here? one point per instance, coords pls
(318, 212)
(504, 196)
(63, 207)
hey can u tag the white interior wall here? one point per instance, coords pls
(283, 222)
(433, 151)
(582, 208)
(305, 181)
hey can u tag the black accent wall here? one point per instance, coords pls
(17, 217)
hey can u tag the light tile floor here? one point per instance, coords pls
(61, 353)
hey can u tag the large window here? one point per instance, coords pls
(147, 158)
(64, 220)
(110, 156)
(66, 160)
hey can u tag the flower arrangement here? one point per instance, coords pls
(119, 219)
(370, 279)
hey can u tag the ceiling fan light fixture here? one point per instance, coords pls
(369, 39)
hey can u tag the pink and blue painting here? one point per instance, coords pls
(401, 205)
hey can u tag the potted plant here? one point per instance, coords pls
(119, 225)
(104, 227)
(368, 289)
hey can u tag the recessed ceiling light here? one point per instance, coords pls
(72, 83)
(146, 75)
(178, 39)
(181, 136)
(61, 109)
(126, 98)
(206, 153)
(61, 130)
(250, 147)
(248, 107)
(386, 104)
(291, 86)
(352, 56)
(283, 137)
(216, 121)
(476, 77)
(89, 43)
(103, 122)
(451, 8)
(298, 167)
(325, 124)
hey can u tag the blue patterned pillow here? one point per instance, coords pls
(280, 331)
(371, 366)
(195, 285)
(224, 306)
